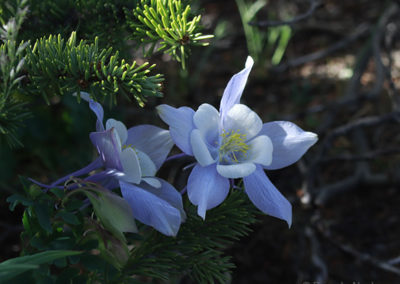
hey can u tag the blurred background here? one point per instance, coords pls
(331, 67)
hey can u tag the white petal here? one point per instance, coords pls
(260, 151)
(147, 166)
(119, 127)
(290, 142)
(200, 150)
(242, 119)
(152, 182)
(131, 166)
(236, 170)
(207, 120)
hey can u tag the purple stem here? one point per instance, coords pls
(175, 157)
(92, 166)
(45, 185)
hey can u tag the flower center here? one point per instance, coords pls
(233, 145)
(129, 146)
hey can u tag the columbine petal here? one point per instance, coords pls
(206, 188)
(260, 151)
(200, 149)
(207, 120)
(290, 142)
(152, 181)
(119, 127)
(107, 144)
(96, 108)
(152, 140)
(151, 209)
(266, 197)
(168, 193)
(180, 121)
(241, 118)
(146, 164)
(236, 170)
(131, 166)
(234, 89)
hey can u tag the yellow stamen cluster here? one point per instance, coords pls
(233, 143)
(128, 146)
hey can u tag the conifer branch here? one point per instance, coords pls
(197, 251)
(169, 23)
(12, 110)
(59, 67)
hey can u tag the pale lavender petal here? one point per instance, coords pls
(238, 170)
(99, 112)
(206, 188)
(152, 140)
(154, 182)
(180, 121)
(107, 145)
(95, 107)
(200, 150)
(260, 151)
(130, 166)
(289, 141)
(119, 127)
(242, 119)
(266, 197)
(151, 209)
(234, 89)
(166, 192)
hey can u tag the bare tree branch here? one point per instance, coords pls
(364, 257)
(360, 31)
(314, 4)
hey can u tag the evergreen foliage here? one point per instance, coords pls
(168, 23)
(196, 252)
(12, 109)
(56, 67)
(53, 66)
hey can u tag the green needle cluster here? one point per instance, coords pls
(59, 67)
(168, 23)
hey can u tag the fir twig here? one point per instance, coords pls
(197, 251)
(12, 111)
(56, 67)
(169, 23)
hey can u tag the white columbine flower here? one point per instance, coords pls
(234, 143)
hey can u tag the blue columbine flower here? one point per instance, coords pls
(234, 143)
(131, 158)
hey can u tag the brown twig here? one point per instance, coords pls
(360, 31)
(314, 4)
(364, 257)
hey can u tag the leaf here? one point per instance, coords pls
(68, 217)
(15, 266)
(15, 199)
(114, 212)
(43, 214)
